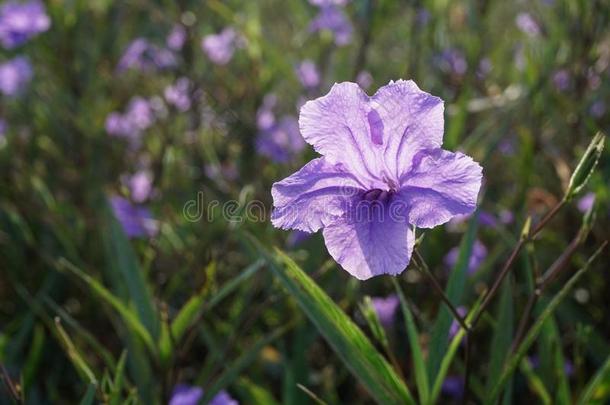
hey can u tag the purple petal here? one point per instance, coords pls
(440, 185)
(370, 245)
(337, 127)
(386, 307)
(412, 122)
(186, 395)
(223, 398)
(312, 197)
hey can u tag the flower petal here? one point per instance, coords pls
(337, 125)
(412, 121)
(368, 247)
(310, 198)
(439, 186)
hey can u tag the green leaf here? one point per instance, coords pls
(130, 318)
(454, 291)
(89, 398)
(371, 318)
(597, 390)
(535, 382)
(254, 394)
(233, 370)
(502, 337)
(125, 270)
(346, 339)
(421, 374)
(531, 336)
(194, 307)
(450, 354)
(75, 356)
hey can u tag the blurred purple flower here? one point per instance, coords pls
(333, 19)
(477, 256)
(219, 48)
(561, 79)
(187, 395)
(143, 56)
(585, 203)
(487, 219)
(364, 79)
(381, 173)
(295, 238)
(225, 171)
(176, 38)
(568, 366)
(140, 186)
(455, 325)
(452, 61)
(282, 141)
(507, 147)
(136, 221)
(265, 118)
(527, 24)
(386, 307)
(598, 109)
(422, 17)
(20, 21)
(138, 117)
(506, 217)
(3, 128)
(326, 3)
(308, 74)
(453, 386)
(178, 94)
(15, 74)
(484, 68)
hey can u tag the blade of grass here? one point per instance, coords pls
(89, 398)
(75, 356)
(454, 290)
(597, 390)
(123, 261)
(502, 337)
(535, 382)
(347, 340)
(531, 336)
(421, 374)
(233, 370)
(128, 316)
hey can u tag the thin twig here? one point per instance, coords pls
(439, 289)
(14, 391)
(466, 395)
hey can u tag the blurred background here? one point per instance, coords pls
(138, 144)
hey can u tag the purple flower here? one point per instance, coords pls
(136, 221)
(140, 186)
(561, 80)
(364, 79)
(455, 325)
(598, 109)
(282, 141)
(308, 74)
(143, 56)
(585, 203)
(484, 68)
(326, 3)
(15, 75)
(453, 386)
(507, 147)
(220, 47)
(333, 19)
(452, 61)
(176, 38)
(487, 219)
(265, 118)
(386, 307)
(506, 217)
(382, 171)
(422, 17)
(178, 95)
(527, 24)
(21, 21)
(478, 254)
(295, 238)
(138, 117)
(187, 395)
